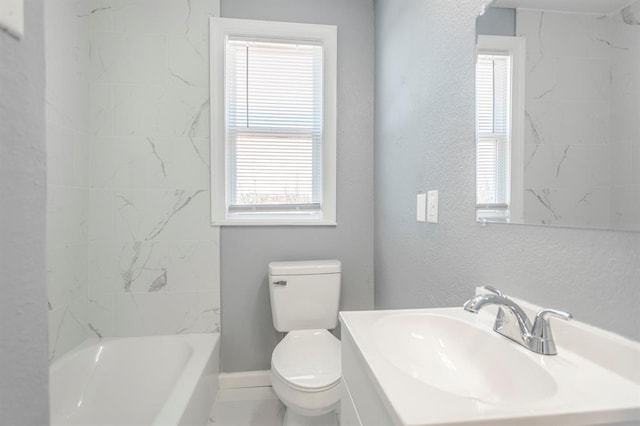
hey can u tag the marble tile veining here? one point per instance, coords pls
(153, 255)
(130, 247)
(582, 95)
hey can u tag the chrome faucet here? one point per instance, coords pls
(513, 323)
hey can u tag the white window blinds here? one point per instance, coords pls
(273, 95)
(493, 106)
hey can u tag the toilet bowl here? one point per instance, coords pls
(305, 365)
(305, 372)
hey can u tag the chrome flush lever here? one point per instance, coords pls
(281, 282)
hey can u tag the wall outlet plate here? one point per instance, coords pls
(432, 207)
(421, 208)
(12, 17)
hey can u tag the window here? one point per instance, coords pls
(499, 131)
(273, 123)
(493, 97)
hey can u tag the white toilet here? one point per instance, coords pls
(305, 365)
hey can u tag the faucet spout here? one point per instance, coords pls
(513, 323)
(475, 304)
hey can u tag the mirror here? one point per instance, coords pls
(558, 113)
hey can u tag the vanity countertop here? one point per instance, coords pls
(464, 373)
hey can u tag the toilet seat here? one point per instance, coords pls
(308, 360)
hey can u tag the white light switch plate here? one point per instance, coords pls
(432, 207)
(12, 17)
(421, 208)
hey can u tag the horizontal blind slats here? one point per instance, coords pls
(274, 125)
(492, 125)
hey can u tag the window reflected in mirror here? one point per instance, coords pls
(499, 112)
(558, 114)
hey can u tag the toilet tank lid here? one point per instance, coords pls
(305, 267)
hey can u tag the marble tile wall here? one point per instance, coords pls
(153, 258)
(567, 118)
(582, 117)
(625, 118)
(130, 250)
(67, 134)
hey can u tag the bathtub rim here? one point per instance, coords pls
(205, 352)
(206, 346)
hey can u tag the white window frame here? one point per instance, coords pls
(220, 30)
(515, 47)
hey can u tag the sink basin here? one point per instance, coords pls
(456, 357)
(438, 366)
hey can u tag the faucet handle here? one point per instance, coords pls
(541, 323)
(493, 290)
(541, 330)
(555, 312)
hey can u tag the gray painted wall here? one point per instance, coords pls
(248, 336)
(497, 21)
(425, 140)
(23, 305)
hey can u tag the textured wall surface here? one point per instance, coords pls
(66, 109)
(23, 306)
(153, 256)
(425, 140)
(248, 337)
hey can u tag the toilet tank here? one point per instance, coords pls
(304, 294)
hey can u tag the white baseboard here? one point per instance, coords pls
(264, 393)
(245, 379)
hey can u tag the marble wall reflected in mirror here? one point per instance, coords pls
(581, 145)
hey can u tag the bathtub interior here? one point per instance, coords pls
(149, 380)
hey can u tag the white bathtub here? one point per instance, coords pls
(163, 380)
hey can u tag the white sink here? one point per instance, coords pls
(453, 356)
(447, 366)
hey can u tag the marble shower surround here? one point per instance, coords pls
(153, 256)
(129, 247)
(67, 140)
(576, 97)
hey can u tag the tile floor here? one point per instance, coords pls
(247, 407)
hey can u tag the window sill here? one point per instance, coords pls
(482, 214)
(273, 219)
(272, 222)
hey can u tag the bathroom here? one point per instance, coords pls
(105, 124)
